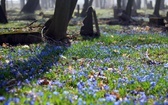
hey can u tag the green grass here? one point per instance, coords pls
(118, 61)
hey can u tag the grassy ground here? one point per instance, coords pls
(125, 65)
(117, 68)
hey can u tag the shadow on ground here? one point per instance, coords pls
(16, 72)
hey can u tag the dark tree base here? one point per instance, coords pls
(3, 18)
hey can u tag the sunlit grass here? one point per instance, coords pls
(89, 70)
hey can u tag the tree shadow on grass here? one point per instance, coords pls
(16, 71)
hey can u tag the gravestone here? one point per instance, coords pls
(96, 23)
(3, 18)
(157, 8)
(87, 28)
(158, 21)
(150, 5)
(166, 18)
(78, 11)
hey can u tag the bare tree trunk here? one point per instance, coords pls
(129, 7)
(43, 4)
(145, 3)
(3, 18)
(162, 5)
(124, 4)
(3, 15)
(138, 4)
(102, 4)
(62, 15)
(157, 8)
(97, 3)
(118, 4)
(3, 4)
(30, 6)
(87, 4)
(22, 3)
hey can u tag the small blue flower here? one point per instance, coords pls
(166, 102)
(56, 93)
(16, 100)
(110, 98)
(152, 84)
(117, 103)
(106, 87)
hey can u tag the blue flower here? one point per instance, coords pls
(110, 98)
(152, 84)
(106, 87)
(56, 93)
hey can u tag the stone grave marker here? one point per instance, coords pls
(87, 28)
(150, 5)
(156, 19)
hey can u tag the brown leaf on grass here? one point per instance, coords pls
(116, 94)
(1, 57)
(147, 28)
(4, 45)
(44, 82)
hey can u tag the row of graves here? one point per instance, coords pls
(90, 28)
(124, 16)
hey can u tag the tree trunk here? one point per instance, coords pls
(43, 4)
(157, 8)
(145, 3)
(162, 5)
(3, 18)
(124, 4)
(30, 6)
(102, 4)
(22, 3)
(62, 15)
(97, 3)
(87, 4)
(118, 4)
(129, 7)
(138, 4)
(3, 4)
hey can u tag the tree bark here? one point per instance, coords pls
(138, 4)
(162, 5)
(62, 15)
(30, 6)
(22, 3)
(3, 18)
(129, 7)
(87, 4)
(118, 4)
(157, 8)
(124, 4)
(3, 4)
(102, 4)
(97, 3)
(145, 3)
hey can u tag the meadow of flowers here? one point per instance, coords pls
(120, 68)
